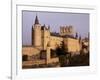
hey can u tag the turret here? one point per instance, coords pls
(36, 33)
(45, 35)
(76, 36)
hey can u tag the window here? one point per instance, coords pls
(25, 58)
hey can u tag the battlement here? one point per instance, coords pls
(66, 30)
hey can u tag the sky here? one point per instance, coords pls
(79, 21)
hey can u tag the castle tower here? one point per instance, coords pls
(45, 35)
(66, 30)
(36, 33)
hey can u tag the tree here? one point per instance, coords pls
(62, 54)
(80, 60)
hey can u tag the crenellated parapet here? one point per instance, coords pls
(66, 30)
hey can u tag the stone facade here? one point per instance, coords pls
(72, 45)
(30, 50)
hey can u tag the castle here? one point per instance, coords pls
(43, 41)
(42, 37)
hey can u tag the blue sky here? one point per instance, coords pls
(80, 22)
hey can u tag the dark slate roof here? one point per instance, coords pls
(69, 36)
(55, 34)
(36, 20)
(42, 27)
(58, 35)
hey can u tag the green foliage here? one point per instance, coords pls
(79, 60)
(63, 60)
(66, 59)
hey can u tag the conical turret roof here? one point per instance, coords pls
(36, 20)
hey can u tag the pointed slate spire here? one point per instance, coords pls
(36, 20)
(76, 35)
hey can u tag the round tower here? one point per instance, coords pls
(36, 33)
